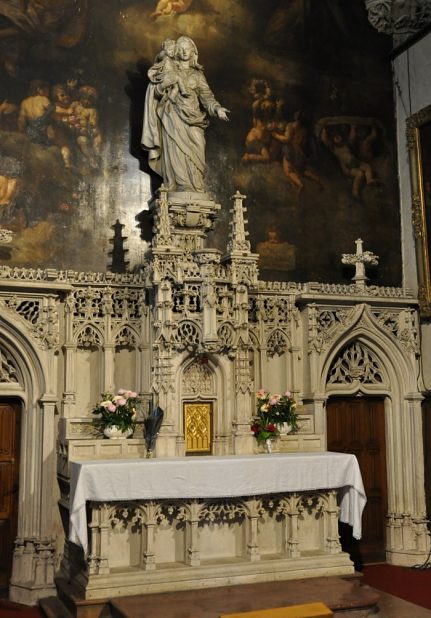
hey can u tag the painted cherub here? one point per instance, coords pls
(164, 72)
(167, 7)
(89, 136)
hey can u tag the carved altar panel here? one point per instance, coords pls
(198, 380)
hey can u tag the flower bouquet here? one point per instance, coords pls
(273, 411)
(116, 414)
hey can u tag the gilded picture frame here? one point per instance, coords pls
(419, 146)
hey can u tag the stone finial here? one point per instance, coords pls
(359, 260)
(238, 235)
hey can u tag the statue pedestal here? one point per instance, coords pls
(191, 216)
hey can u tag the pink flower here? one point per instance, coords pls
(133, 394)
(112, 407)
(121, 391)
(288, 394)
(121, 402)
(261, 394)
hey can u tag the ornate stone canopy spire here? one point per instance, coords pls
(238, 234)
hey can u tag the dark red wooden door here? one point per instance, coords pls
(357, 426)
(10, 424)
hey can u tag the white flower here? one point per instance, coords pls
(105, 404)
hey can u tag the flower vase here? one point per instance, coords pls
(285, 428)
(115, 433)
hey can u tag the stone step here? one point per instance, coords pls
(345, 598)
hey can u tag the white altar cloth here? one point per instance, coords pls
(214, 477)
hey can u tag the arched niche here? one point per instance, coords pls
(277, 362)
(89, 367)
(126, 357)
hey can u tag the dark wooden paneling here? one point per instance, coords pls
(10, 422)
(358, 426)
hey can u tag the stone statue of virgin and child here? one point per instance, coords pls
(177, 105)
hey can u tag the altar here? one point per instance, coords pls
(162, 524)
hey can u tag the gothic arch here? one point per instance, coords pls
(218, 368)
(277, 343)
(403, 422)
(89, 335)
(28, 361)
(35, 388)
(399, 370)
(125, 335)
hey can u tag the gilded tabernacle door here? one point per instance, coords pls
(198, 427)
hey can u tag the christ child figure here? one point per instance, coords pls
(165, 74)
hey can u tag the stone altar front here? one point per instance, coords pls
(183, 523)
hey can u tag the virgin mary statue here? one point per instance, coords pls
(177, 104)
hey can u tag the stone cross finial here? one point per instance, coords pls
(238, 235)
(359, 260)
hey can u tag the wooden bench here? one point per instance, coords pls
(307, 610)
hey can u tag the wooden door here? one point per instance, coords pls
(10, 433)
(357, 426)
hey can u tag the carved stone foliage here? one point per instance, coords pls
(89, 337)
(9, 370)
(226, 336)
(356, 363)
(39, 315)
(402, 325)
(187, 335)
(277, 343)
(186, 299)
(324, 324)
(126, 338)
(93, 304)
(198, 379)
(271, 309)
(218, 511)
(395, 17)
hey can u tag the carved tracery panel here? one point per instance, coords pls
(198, 379)
(356, 363)
(9, 370)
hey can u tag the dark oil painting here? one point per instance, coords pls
(310, 140)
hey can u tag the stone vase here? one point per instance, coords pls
(115, 433)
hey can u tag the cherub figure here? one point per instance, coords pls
(89, 137)
(343, 145)
(167, 7)
(164, 72)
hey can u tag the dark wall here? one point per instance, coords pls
(313, 71)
